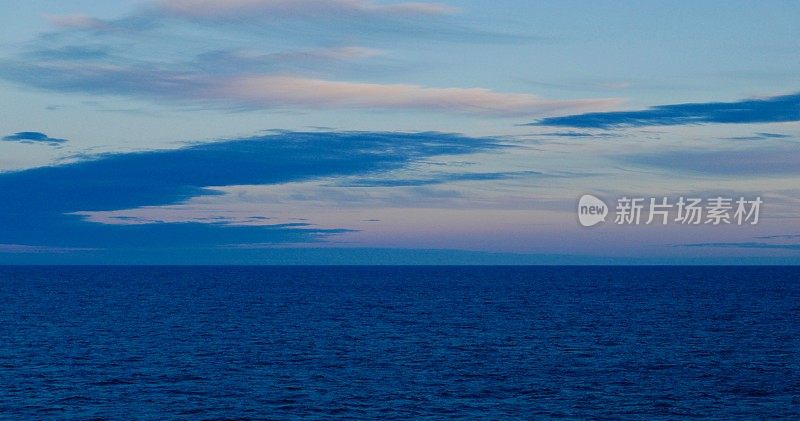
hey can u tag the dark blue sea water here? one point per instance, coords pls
(400, 342)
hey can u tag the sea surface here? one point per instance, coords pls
(399, 342)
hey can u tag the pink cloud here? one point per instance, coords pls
(264, 91)
(276, 91)
(261, 9)
(77, 22)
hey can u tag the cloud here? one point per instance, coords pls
(580, 134)
(275, 91)
(34, 137)
(201, 53)
(436, 179)
(780, 236)
(40, 204)
(745, 245)
(239, 10)
(765, 160)
(771, 242)
(341, 53)
(773, 135)
(767, 110)
(569, 134)
(272, 91)
(28, 249)
(292, 19)
(249, 61)
(70, 53)
(78, 22)
(759, 136)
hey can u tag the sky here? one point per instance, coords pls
(390, 132)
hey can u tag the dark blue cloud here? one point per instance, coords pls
(33, 137)
(576, 134)
(773, 135)
(37, 202)
(770, 110)
(759, 136)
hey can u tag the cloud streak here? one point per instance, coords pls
(746, 245)
(277, 91)
(769, 110)
(272, 91)
(247, 10)
(34, 137)
(758, 136)
(765, 160)
(324, 19)
(83, 22)
(144, 55)
(438, 179)
(28, 249)
(779, 236)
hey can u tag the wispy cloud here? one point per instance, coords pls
(774, 242)
(324, 19)
(778, 237)
(577, 134)
(239, 71)
(239, 10)
(34, 137)
(272, 91)
(745, 245)
(275, 91)
(437, 179)
(244, 61)
(754, 161)
(767, 110)
(29, 249)
(78, 21)
(759, 136)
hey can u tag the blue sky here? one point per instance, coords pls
(361, 131)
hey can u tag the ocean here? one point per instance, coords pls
(399, 342)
